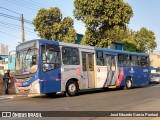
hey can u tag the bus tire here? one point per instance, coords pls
(51, 94)
(128, 84)
(71, 88)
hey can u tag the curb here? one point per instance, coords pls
(6, 97)
(16, 96)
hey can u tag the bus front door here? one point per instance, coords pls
(88, 70)
(112, 75)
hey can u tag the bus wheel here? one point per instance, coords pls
(128, 84)
(51, 94)
(71, 88)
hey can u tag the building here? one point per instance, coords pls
(3, 63)
(155, 60)
(115, 45)
(3, 49)
(79, 38)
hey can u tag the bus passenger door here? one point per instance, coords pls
(88, 70)
(51, 71)
(112, 75)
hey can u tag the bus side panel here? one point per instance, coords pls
(146, 75)
(130, 72)
(101, 76)
(121, 80)
(51, 81)
(70, 72)
(106, 78)
(142, 75)
(139, 75)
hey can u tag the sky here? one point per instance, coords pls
(146, 14)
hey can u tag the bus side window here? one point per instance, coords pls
(134, 60)
(100, 58)
(126, 60)
(139, 60)
(50, 57)
(113, 61)
(108, 62)
(90, 62)
(144, 61)
(120, 60)
(84, 62)
(70, 56)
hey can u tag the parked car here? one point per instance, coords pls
(155, 78)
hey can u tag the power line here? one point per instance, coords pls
(15, 18)
(9, 16)
(40, 5)
(6, 23)
(29, 32)
(17, 3)
(24, 3)
(9, 10)
(27, 21)
(48, 6)
(37, 4)
(10, 35)
(62, 11)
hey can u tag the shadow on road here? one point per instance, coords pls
(144, 86)
(82, 92)
(92, 91)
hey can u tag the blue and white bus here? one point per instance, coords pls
(48, 67)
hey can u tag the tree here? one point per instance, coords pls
(145, 40)
(102, 18)
(129, 42)
(51, 26)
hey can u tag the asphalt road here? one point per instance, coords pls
(146, 98)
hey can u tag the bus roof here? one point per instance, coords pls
(43, 41)
(121, 51)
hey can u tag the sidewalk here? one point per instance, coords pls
(11, 96)
(6, 97)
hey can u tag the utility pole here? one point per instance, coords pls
(22, 21)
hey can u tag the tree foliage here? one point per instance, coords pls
(139, 41)
(145, 40)
(104, 20)
(50, 25)
(129, 43)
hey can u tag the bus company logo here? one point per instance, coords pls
(6, 114)
(132, 71)
(98, 70)
(145, 70)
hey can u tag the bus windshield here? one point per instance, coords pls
(26, 61)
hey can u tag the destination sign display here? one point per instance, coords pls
(26, 45)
